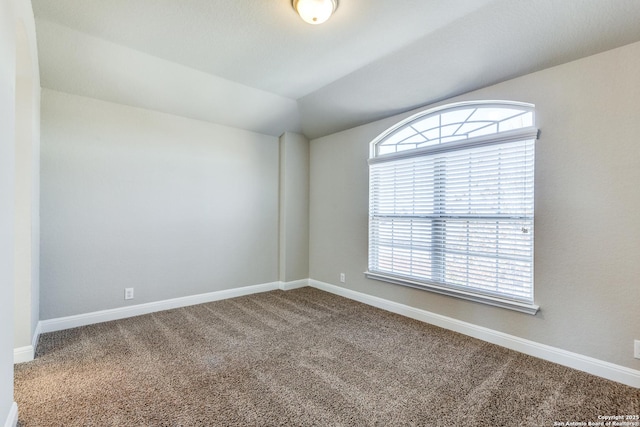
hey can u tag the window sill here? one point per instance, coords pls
(484, 299)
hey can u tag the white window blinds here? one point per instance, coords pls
(456, 214)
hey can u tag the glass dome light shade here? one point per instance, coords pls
(315, 11)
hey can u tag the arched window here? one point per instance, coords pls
(451, 203)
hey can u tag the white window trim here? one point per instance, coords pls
(501, 137)
(484, 140)
(448, 107)
(449, 291)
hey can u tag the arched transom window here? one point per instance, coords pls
(451, 203)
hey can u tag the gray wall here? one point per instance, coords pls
(294, 207)
(27, 186)
(135, 198)
(7, 155)
(587, 226)
(19, 136)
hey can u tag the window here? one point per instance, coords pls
(451, 203)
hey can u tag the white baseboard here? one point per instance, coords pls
(27, 353)
(287, 286)
(23, 354)
(577, 361)
(58, 324)
(12, 418)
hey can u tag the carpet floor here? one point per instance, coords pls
(302, 357)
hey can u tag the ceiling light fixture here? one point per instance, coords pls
(315, 11)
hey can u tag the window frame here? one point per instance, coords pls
(527, 133)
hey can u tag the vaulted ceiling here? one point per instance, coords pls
(254, 64)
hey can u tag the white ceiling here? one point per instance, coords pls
(254, 64)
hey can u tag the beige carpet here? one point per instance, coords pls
(302, 357)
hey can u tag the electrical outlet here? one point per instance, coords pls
(128, 293)
(343, 278)
(636, 349)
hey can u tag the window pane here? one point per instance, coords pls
(456, 116)
(457, 124)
